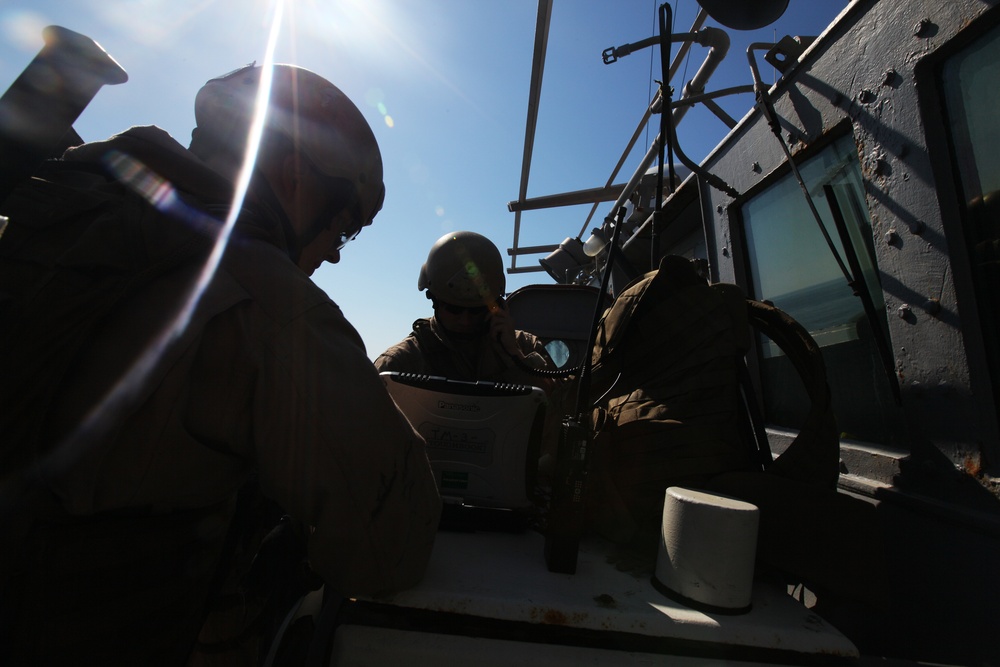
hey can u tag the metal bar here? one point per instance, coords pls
(685, 46)
(718, 42)
(525, 269)
(613, 53)
(699, 21)
(607, 193)
(771, 116)
(542, 22)
(720, 113)
(621, 161)
(690, 100)
(860, 287)
(533, 249)
(599, 195)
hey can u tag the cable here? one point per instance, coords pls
(545, 372)
(667, 142)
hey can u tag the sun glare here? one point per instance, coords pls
(154, 23)
(23, 28)
(374, 34)
(161, 195)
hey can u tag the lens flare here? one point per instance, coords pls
(162, 195)
(376, 98)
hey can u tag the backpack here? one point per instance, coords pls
(667, 363)
(74, 246)
(77, 245)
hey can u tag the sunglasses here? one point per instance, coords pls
(348, 235)
(360, 223)
(458, 310)
(337, 185)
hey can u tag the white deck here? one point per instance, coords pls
(503, 576)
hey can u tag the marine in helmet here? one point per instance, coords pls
(318, 159)
(471, 335)
(128, 516)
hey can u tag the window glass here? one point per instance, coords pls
(972, 97)
(558, 352)
(971, 83)
(792, 266)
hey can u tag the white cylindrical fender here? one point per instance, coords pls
(707, 550)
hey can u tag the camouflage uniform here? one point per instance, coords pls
(431, 350)
(125, 530)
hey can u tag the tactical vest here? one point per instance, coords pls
(667, 361)
(666, 358)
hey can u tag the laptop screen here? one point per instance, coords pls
(483, 438)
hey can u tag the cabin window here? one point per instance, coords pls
(792, 266)
(558, 352)
(971, 83)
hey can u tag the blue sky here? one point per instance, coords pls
(444, 84)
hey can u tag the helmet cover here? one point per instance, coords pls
(463, 269)
(319, 119)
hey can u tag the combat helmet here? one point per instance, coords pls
(319, 119)
(463, 269)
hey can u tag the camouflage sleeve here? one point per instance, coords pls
(533, 350)
(338, 455)
(404, 357)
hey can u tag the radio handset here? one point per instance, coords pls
(500, 304)
(566, 521)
